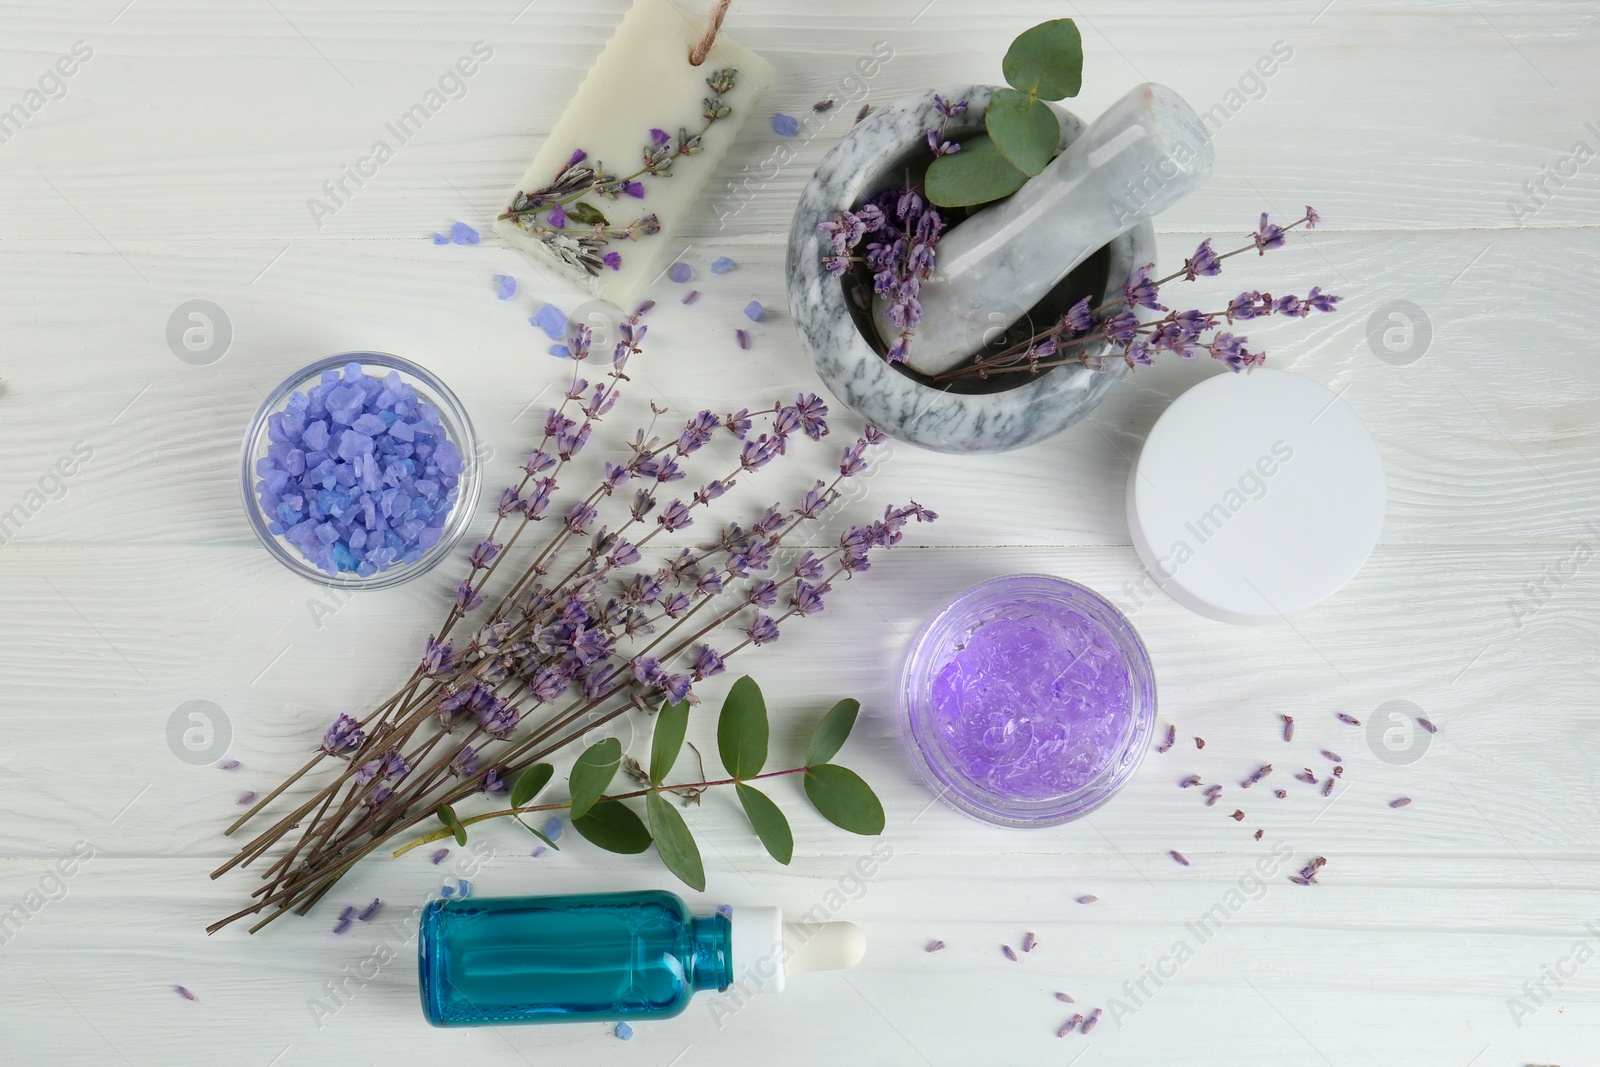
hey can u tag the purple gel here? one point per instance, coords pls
(1028, 701)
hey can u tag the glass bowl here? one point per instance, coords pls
(1028, 701)
(460, 498)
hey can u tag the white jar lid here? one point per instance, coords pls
(1255, 496)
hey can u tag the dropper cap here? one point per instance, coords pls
(766, 950)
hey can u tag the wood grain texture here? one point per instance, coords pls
(178, 165)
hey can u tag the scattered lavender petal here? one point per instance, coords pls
(183, 991)
(1327, 787)
(1338, 772)
(624, 1031)
(1088, 898)
(741, 338)
(1172, 736)
(1199, 742)
(228, 765)
(866, 109)
(366, 913)
(462, 234)
(1331, 757)
(1237, 816)
(1065, 998)
(536, 853)
(438, 856)
(341, 926)
(1094, 1017)
(1288, 727)
(785, 125)
(680, 272)
(1297, 880)
(1179, 856)
(505, 286)
(1069, 1026)
(1399, 802)
(1258, 834)
(1256, 776)
(722, 265)
(1029, 942)
(691, 296)
(754, 311)
(1280, 793)
(1010, 953)
(1307, 777)
(247, 797)
(1193, 779)
(349, 910)
(1349, 720)
(934, 946)
(1427, 725)
(823, 105)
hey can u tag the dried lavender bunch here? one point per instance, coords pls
(545, 212)
(585, 632)
(1080, 335)
(838, 793)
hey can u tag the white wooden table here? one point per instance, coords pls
(177, 166)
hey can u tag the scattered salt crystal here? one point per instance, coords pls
(438, 856)
(722, 265)
(440, 239)
(505, 286)
(462, 234)
(725, 910)
(691, 296)
(680, 272)
(934, 946)
(183, 992)
(754, 311)
(552, 829)
(741, 338)
(463, 888)
(785, 125)
(447, 890)
(561, 351)
(624, 1031)
(552, 320)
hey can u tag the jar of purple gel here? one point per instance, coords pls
(1028, 701)
(360, 471)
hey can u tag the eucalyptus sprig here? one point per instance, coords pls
(606, 820)
(1022, 133)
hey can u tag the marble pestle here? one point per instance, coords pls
(1144, 154)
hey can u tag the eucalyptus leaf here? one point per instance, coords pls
(831, 733)
(529, 782)
(975, 175)
(674, 842)
(844, 799)
(1046, 61)
(1023, 128)
(614, 827)
(742, 729)
(447, 815)
(587, 214)
(672, 722)
(536, 832)
(769, 822)
(592, 773)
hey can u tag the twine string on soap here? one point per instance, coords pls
(702, 48)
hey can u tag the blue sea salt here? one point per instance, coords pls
(681, 272)
(561, 351)
(624, 1031)
(505, 286)
(462, 234)
(440, 239)
(722, 265)
(360, 473)
(754, 311)
(785, 125)
(552, 829)
(552, 320)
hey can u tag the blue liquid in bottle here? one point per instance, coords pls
(583, 957)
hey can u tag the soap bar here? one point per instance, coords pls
(642, 96)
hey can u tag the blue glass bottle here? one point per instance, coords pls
(583, 957)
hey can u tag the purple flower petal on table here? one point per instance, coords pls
(228, 765)
(613, 260)
(691, 296)
(367, 913)
(741, 338)
(183, 992)
(438, 856)
(1178, 856)
(1065, 998)
(934, 946)
(1088, 898)
(1399, 802)
(247, 797)
(1009, 952)
(1069, 1026)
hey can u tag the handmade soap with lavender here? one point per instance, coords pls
(1028, 701)
(642, 98)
